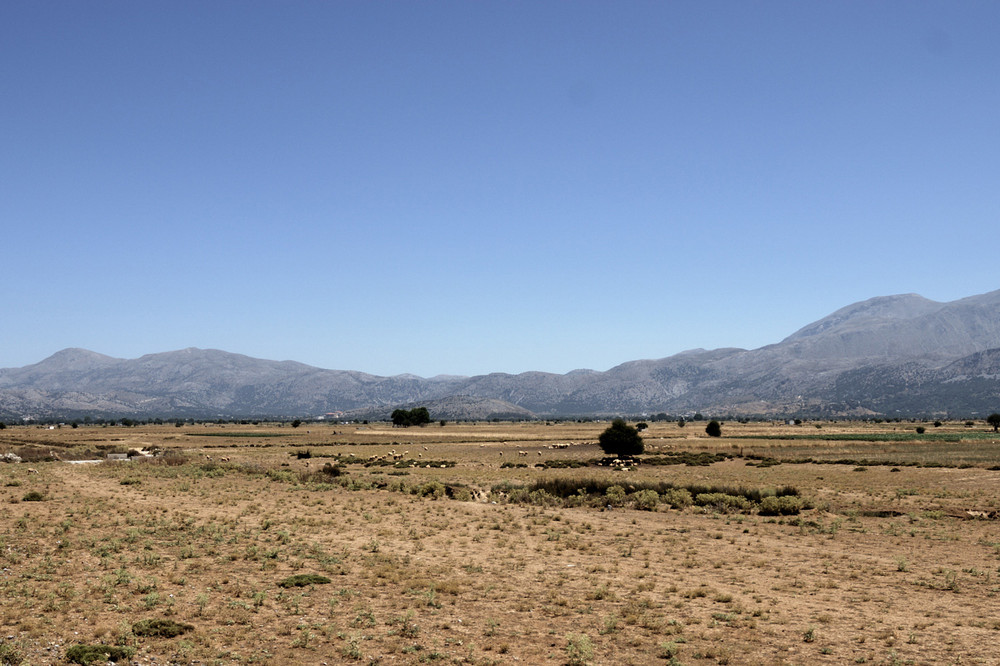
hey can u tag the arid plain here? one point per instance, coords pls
(465, 544)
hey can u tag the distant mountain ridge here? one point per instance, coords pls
(886, 355)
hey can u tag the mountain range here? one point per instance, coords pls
(890, 356)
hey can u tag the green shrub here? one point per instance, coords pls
(332, 470)
(722, 502)
(162, 628)
(303, 580)
(542, 498)
(600, 492)
(282, 475)
(669, 650)
(460, 493)
(615, 495)
(579, 650)
(677, 498)
(646, 500)
(9, 654)
(689, 458)
(518, 495)
(781, 506)
(33, 496)
(433, 489)
(98, 654)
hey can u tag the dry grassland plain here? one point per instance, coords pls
(483, 544)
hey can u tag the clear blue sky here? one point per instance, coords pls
(467, 187)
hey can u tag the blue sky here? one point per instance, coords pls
(468, 187)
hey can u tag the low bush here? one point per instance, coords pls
(10, 655)
(303, 580)
(602, 492)
(160, 628)
(677, 498)
(459, 492)
(433, 489)
(781, 506)
(329, 473)
(646, 500)
(615, 495)
(542, 498)
(579, 649)
(562, 464)
(699, 459)
(722, 502)
(98, 654)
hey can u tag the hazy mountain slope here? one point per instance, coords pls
(535, 391)
(455, 407)
(200, 382)
(76, 368)
(885, 354)
(874, 311)
(968, 386)
(651, 386)
(897, 327)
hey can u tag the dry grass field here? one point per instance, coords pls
(480, 544)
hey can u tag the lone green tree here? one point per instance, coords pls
(621, 439)
(994, 420)
(408, 417)
(713, 429)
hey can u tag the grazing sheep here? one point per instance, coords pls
(32, 470)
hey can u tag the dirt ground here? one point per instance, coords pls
(893, 563)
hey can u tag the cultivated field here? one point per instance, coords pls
(493, 544)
